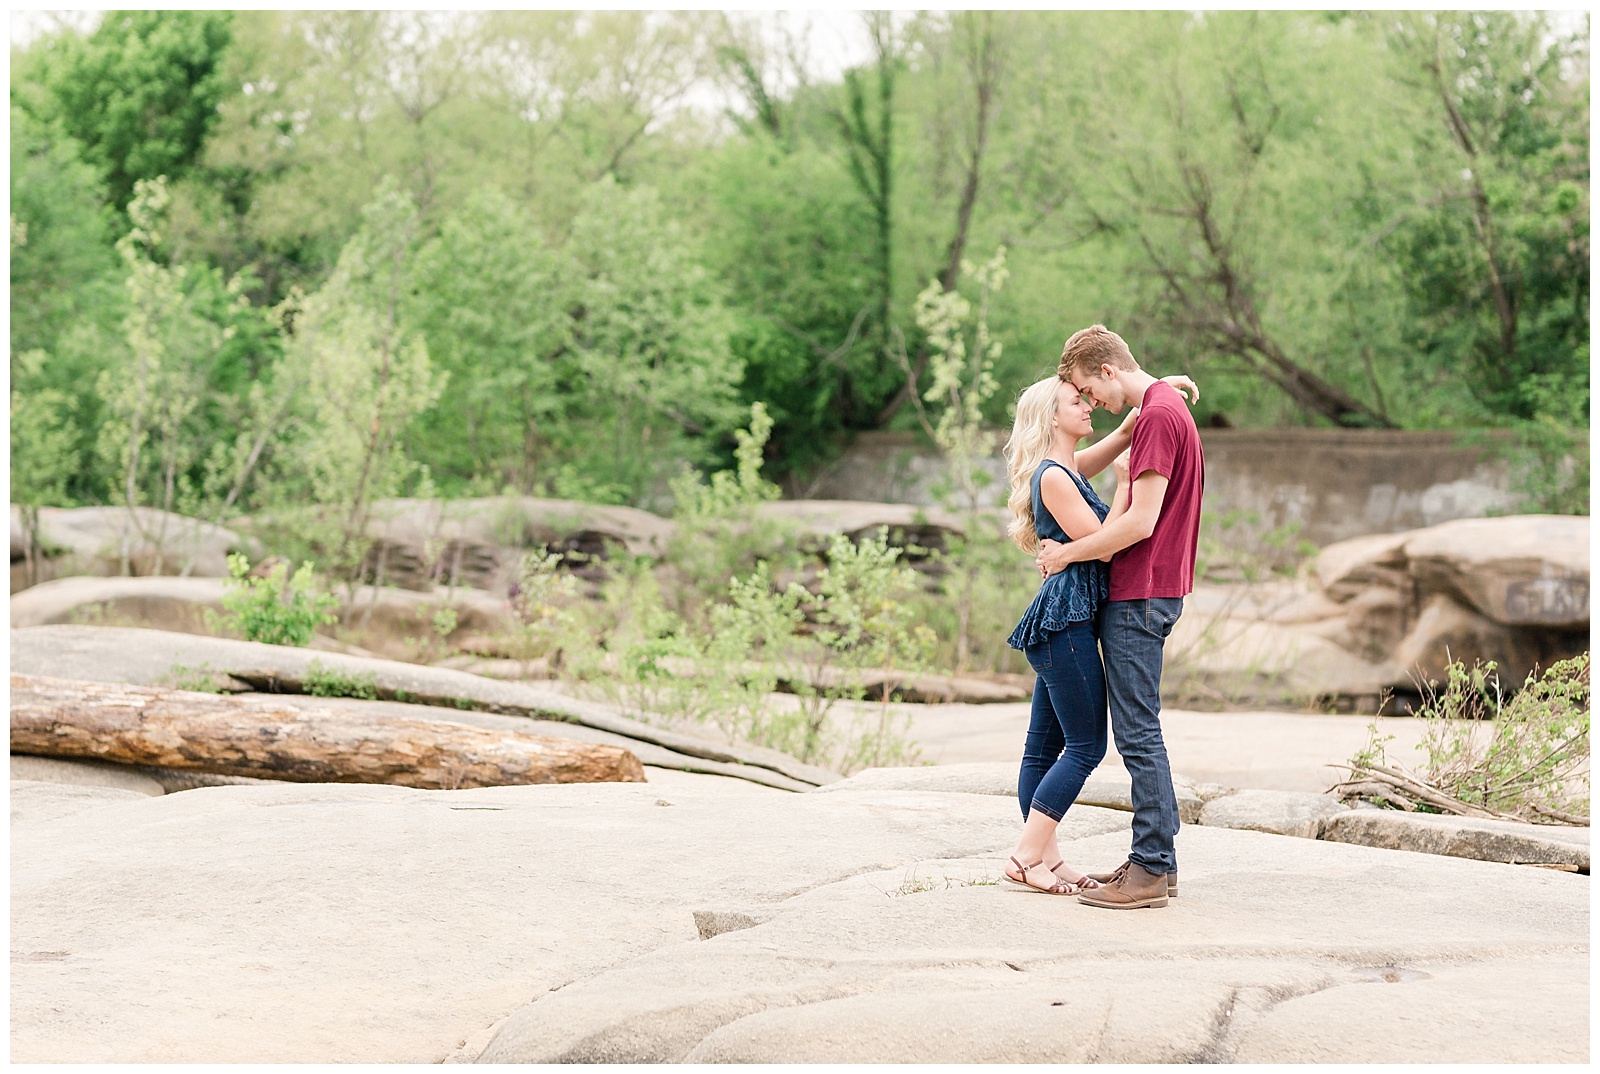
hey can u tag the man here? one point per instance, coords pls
(1152, 547)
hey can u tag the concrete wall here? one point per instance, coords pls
(1328, 483)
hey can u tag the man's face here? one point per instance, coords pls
(1101, 388)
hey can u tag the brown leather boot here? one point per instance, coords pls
(1135, 889)
(1116, 874)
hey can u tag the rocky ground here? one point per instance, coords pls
(699, 918)
(705, 917)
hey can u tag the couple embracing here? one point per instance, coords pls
(1114, 581)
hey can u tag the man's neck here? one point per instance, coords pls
(1136, 382)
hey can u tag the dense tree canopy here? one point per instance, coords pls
(1362, 219)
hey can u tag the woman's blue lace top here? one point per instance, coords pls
(1072, 595)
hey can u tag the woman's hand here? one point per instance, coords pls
(1185, 386)
(1119, 466)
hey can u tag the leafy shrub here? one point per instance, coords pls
(1526, 755)
(717, 536)
(278, 609)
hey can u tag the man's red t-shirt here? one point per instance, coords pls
(1164, 440)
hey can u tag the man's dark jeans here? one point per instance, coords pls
(1132, 635)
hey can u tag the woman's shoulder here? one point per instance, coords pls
(1044, 467)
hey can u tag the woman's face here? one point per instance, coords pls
(1073, 412)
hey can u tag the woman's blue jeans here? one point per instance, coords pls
(1067, 734)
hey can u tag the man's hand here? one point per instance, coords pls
(1053, 557)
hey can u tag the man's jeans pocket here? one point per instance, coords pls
(1161, 614)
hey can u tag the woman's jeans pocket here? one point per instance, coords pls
(1039, 655)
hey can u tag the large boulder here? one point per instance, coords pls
(1514, 590)
(389, 622)
(176, 604)
(1346, 568)
(1446, 630)
(97, 541)
(481, 542)
(1524, 570)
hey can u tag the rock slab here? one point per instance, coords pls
(1462, 837)
(381, 924)
(1277, 812)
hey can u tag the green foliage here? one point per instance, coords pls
(141, 92)
(961, 372)
(866, 621)
(200, 679)
(278, 609)
(364, 377)
(492, 300)
(322, 681)
(650, 345)
(1496, 268)
(717, 536)
(63, 270)
(151, 437)
(1551, 456)
(541, 601)
(1526, 754)
(1538, 746)
(962, 356)
(794, 244)
(42, 456)
(1277, 202)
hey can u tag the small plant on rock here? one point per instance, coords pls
(276, 608)
(541, 600)
(322, 681)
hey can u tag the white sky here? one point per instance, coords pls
(836, 40)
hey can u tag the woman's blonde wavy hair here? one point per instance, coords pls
(1031, 437)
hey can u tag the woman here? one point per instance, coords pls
(1051, 498)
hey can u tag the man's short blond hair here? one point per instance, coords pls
(1092, 347)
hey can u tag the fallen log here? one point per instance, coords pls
(270, 739)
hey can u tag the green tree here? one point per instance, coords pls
(494, 302)
(153, 436)
(793, 244)
(653, 376)
(140, 92)
(42, 452)
(366, 377)
(66, 293)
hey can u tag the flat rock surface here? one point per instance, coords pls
(1294, 813)
(323, 923)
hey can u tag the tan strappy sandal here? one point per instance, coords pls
(1060, 887)
(1082, 883)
